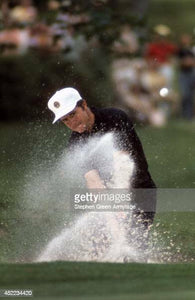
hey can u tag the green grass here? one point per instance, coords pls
(177, 14)
(71, 280)
(170, 152)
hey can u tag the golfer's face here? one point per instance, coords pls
(77, 120)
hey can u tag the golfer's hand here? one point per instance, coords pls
(93, 180)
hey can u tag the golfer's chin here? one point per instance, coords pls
(80, 129)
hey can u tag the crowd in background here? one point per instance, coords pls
(24, 29)
(155, 80)
(160, 83)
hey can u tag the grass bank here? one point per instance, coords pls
(69, 280)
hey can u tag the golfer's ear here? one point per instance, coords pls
(84, 104)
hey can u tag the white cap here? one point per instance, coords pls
(63, 102)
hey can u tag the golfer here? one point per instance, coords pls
(85, 123)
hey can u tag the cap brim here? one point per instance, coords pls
(58, 118)
(55, 120)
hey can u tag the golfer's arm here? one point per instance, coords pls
(93, 180)
(92, 177)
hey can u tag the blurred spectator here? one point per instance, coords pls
(25, 13)
(65, 36)
(68, 42)
(4, 13)
(67, 17)
(53, 5)
(186, 75)
(127, 42)
(41, 37)
(52, 11)
(160, 51)
(127, 78)
(14, 40)
(145, 85)
(163, 97)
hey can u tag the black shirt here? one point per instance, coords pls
(184, 54)
(125, 138)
